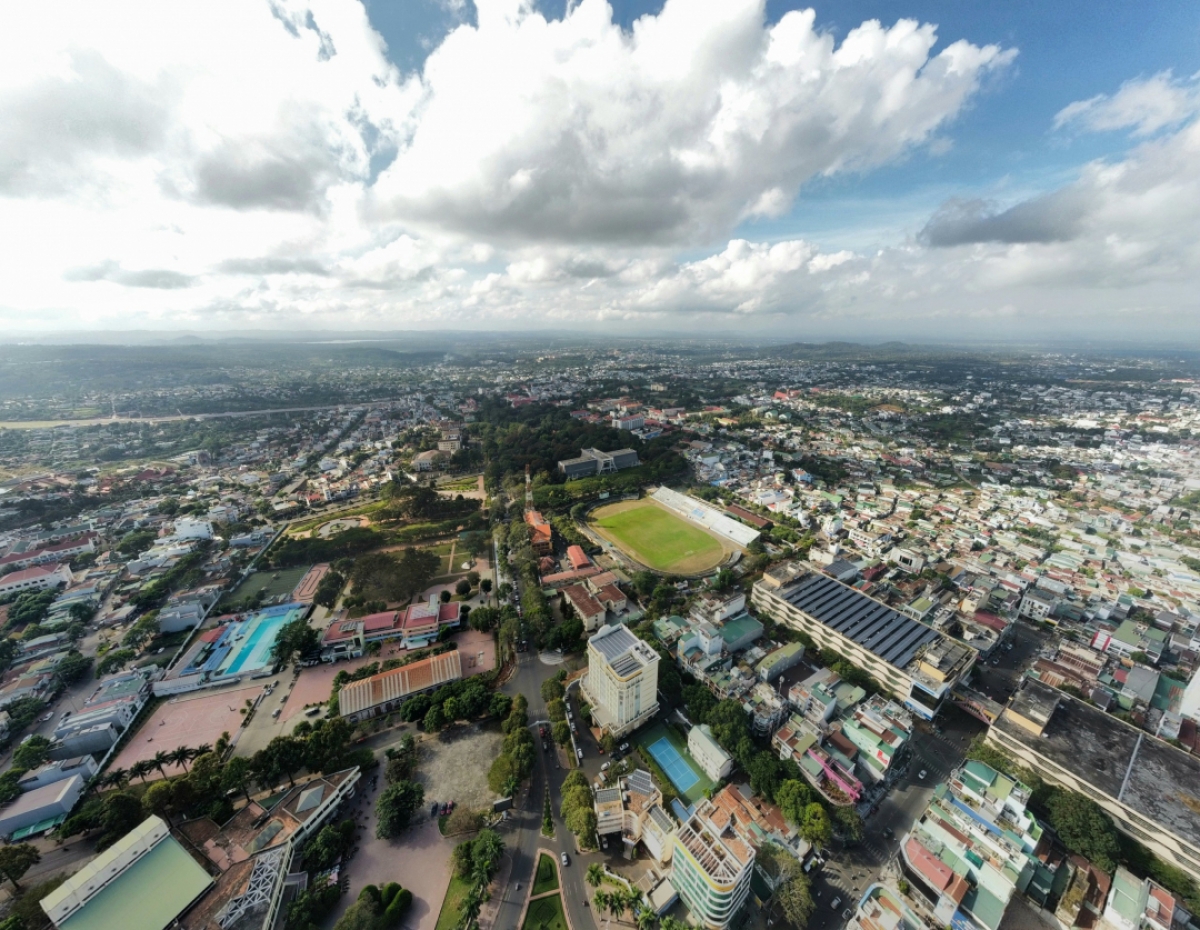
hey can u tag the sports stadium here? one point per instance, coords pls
(672, 533)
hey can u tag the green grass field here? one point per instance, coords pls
(546, 878)
(267, 583)
(545, 914)
(657, 538)
(455, 895)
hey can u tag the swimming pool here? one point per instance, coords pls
(250, 646)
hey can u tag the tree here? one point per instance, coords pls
(1084, 828)
(485, 585)
(444, 597)
(160, 761)
(486, 851)
(595, 874)
(552, 690)
(141, 769)
(73, 667)
(158, 799)
(16, 860)
(181, 756)
(795, 898)
(329, 589)
(816, 827)
(395, 808)
(463, 588)
(435, 719)
(561, 732)
(32, 753)
(236, 776)
(295, 638)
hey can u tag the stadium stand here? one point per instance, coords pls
(703, 515)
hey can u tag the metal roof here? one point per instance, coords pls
(876, 627)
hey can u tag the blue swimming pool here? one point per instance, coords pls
(250, 644)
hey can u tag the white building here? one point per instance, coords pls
(707, 752)
(35, 578)
(621, 683)
(191, 528)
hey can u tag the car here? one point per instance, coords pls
(624, 747)
(604, 842)
(542, 731)
(604, 767)
(276, 712)
(921, 774)
(995, 661)
(617, 757)
(847, 914)
(433, 809)
(47, 717)
(565, 859)
(834, 905)
(578, 753)
(312, 711)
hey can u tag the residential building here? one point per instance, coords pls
(541, 535)
(976, 846)
(880, 729)
(48, 774)
(711, 866)
(1143, 904)
(910, 659)
(621, 682)
(35, 578)
(633, 808)
(417, 626)
(595, 462)
(386, 691)
(628, 422)
(586, 607)
(1143, 783)
(714, 761)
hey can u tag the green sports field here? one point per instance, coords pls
(658, 538)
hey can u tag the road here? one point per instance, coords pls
(522, 831)
(846, 877)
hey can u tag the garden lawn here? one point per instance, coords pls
(455, 895)
(544, 914)
(546, 878)
(658, 538)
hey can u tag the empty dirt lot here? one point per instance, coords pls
(454, 765)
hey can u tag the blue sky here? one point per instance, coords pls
(864, 168)
(1003, 145)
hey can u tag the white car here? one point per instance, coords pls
(921, 774)
(578, 753)
(604, 767)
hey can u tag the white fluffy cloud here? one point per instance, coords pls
(261, 162)
(576, 131)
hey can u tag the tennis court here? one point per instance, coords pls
(667, 756)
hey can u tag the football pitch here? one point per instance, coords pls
(658, 538)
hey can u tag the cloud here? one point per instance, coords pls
(1053, 218)
(1144, 105)
(575, 131)
(158, 278)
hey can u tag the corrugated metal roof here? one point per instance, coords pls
(399, 683)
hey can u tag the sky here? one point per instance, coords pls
(862, 169)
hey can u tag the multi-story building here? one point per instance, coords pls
(595, 462)
(711, 866)
(880, 729)
(911, 660)
(621, 682)
(541, 536)
(715, 762)
(1145, 785)
(633, 808)
(974, 848)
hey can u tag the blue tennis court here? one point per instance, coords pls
(667, 756)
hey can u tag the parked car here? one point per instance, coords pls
(624, 747)
(604, 767)
(921, 774)
(433, 809)
(578, 753)
(834, 905)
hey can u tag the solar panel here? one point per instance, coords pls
(876, 627)
(640, 781)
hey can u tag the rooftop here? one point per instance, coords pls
(1151, 777)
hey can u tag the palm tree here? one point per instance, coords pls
(117, 778)
(202, 750)
(601, 899)
(595, 874)
(181, 756)
(160, 761)
(646, 919)
(141, 769)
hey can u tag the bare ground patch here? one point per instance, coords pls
(454, 766)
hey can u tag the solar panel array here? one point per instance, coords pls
(640, 781)
(887, 633)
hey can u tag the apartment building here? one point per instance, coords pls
(633, 808)
(711, 866)
(621, 682)
(911, 660)
(712, 759)
(1146, 785)
(880, 729)
(974, 848)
